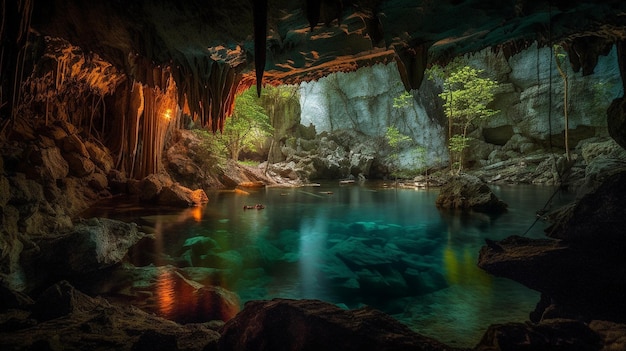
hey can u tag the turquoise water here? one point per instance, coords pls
(357, 245)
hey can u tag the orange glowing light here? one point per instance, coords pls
(168, 114)
(165, 293)
(196, 213)
(241, 192)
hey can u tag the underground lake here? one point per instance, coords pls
(366, 243)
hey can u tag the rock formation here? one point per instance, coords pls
(90, 97)
(468, 193)
(577, 273)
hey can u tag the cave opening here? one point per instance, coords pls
(235, 152)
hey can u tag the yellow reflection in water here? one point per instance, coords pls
(460, 267)
(165, 294)
(196, 213)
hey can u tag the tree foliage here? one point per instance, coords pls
(402, 100)
(248, 124)
(466, 95)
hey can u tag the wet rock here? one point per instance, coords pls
(555, 334)
(149, 188)
(171, 292)
(466, 192)
(579, 280)
(90, 246)
(282, 324)
(180, 196)
(613, 335)
(592, 225)
(71, 320)
(117, 182)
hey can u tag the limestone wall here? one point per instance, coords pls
(530, 101)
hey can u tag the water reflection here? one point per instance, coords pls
(313, 238)
(349, 245)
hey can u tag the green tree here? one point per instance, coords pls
(466, 95)
(248, 124)
(396, 142)
(560, 55)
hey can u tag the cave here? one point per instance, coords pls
(115, 119)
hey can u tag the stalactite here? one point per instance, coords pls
(260, 38)
(411, 62)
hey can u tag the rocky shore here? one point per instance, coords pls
(578, 269)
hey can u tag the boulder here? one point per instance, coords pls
(50, 163)
(555, 334)
(282, 324)
(579, 278)
(67, 319)
(150, 187)
(467, 192)
(90, 246)
(73, 143)
(180, 196)
(169, 292)
(100, 156)
(357, 253)
(80, 166)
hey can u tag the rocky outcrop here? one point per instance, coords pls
(162, 190)
(65, 318)
(189, 295)
(90, 246)
(45, 181)
(467, 192)
(616, 117)
(578, 272)
(363, 102)
(554, 334)
(282, 324)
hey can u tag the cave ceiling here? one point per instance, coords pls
(210, 50)
(310, 39)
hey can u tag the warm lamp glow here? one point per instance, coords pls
(168, 114)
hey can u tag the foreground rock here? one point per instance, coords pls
(92, 245)
(63, 318)
(282, 324)
(580, 274)
(169, 292)
(467, 192)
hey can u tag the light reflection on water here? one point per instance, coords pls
(287, 251)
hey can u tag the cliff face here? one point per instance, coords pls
(530, 100)
(362, 101)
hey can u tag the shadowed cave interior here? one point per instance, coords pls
(123, 193)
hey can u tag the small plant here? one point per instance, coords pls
(466, 95)
(402, 100)
(398, 142)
